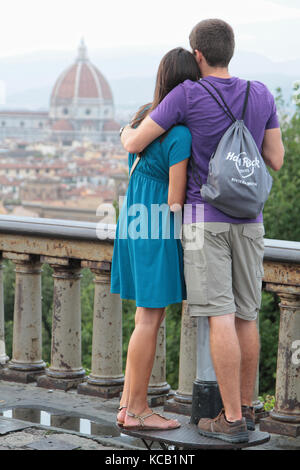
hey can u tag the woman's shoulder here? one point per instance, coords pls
(178, 135)
(180, 131)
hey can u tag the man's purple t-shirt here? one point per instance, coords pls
(191, 105)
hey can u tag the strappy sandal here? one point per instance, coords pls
(120, 423)
(143, 427)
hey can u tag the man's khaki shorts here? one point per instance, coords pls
(223, 267)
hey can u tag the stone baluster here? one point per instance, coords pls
(106, 378)
(182, 401)
(158, 387)
(3, 357)
(65, 371)
(26, 363)
(285, 418)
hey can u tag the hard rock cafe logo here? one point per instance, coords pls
(243, 163)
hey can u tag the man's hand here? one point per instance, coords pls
(135, 140)
(272, 149)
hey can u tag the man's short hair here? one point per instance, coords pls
(215, 39)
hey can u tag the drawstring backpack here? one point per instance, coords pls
(238, 181)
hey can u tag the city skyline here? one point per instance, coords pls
(128, 49)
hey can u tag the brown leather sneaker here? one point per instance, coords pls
(220, 428)
(248, 413)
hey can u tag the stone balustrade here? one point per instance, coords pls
(282, 276)
(68, 247)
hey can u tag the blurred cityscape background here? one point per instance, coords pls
(71, 74)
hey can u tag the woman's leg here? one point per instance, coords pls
(141, 354)
(126, 390)
(125, 394)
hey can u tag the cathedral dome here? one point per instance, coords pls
(81, 94)
(81, 80)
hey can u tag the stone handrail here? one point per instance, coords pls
(69, 246)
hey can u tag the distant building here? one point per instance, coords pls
(42, 190)
(81, 107)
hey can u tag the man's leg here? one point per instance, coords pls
(208, 274)
(248, 336)
(229, 425)
(247, 271)
(226, 357)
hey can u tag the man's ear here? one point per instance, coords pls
(198, 56)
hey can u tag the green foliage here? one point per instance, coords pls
(9, 299)
(268, 402)
(281, 219)
(282, 210)
(47, 306)
(173, 328)
(87, 308)
(9, 288)
(268, 327)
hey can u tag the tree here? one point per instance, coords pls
(282, 210)
(281, 219)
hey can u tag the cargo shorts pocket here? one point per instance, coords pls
(195, 272)
(255, 232)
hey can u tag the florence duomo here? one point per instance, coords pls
(81, 106)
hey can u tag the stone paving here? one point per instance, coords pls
(74, 422)
(23, 440)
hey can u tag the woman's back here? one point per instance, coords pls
(147, 260)
(164, 152)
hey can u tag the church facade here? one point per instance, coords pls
(81, 107)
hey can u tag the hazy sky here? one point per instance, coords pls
(30, 25)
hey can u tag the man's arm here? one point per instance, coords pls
(273, 149)
(135, 140)
(172, 110)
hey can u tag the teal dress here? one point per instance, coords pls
(147, 263)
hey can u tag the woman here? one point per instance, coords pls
(147, 263)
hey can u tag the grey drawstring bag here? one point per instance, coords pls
(238, 181)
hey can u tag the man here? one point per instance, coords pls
(224, 274)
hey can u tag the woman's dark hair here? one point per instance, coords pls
(175, 67)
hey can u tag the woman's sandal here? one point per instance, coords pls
(143, 427)
(120, 423)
